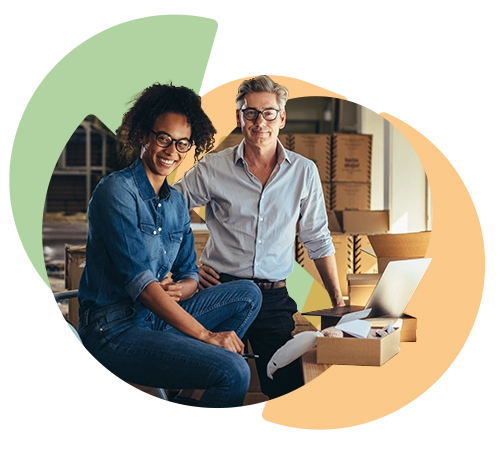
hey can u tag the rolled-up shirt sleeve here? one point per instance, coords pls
(139, 283)
(114, 219)
(194, 187)
(313, 222)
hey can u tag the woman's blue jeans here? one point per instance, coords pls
(140, 348)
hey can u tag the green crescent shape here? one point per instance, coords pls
(299, 284)
(98, 77)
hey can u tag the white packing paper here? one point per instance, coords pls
(293, 349)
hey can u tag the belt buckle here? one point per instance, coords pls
(269, 284)
(262, 284)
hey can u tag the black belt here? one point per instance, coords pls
(262, 283)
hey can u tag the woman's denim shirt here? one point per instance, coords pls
(135, 237)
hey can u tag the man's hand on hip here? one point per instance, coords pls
(208, 276)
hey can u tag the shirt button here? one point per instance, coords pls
(154, 232)
(261, 219)
(257, 264)
(260, 242)
(164, 252)
(158, 276)
(159, 229)
(159, 205)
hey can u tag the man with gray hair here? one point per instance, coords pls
(255, 195)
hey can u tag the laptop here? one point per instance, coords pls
(391, 294)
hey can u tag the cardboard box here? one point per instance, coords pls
(408, 329)
(357, 352)
(360, 287)
(345, 195)
(74, 262)
(351, 157)
(393, 247)
(338, 156)
(310, 368)
(317, 148)
(363, 261)
(359, 222)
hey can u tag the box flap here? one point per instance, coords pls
(362, 279)
(404, 245)
(368, 251)
(358, 221)
(357, 315)
(352, 324)
(356, 328)
(334, 224)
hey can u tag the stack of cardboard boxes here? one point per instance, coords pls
(363, 246)
(344, 166)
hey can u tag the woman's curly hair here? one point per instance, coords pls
(153, 102)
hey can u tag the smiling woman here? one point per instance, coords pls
(151, 104)
(162, 153)
(138, 292)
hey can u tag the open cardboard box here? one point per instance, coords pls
(357, 351)
(360, 287)
(392, 247)
(389, 299)
(408, 328)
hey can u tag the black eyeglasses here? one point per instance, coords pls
(252, 114)
(164, 140)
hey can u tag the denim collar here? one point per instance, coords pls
(144, 185)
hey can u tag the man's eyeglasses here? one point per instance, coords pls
(164, 140)
(252, 114)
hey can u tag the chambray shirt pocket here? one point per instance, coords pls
(151, 238)
(174, 243)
